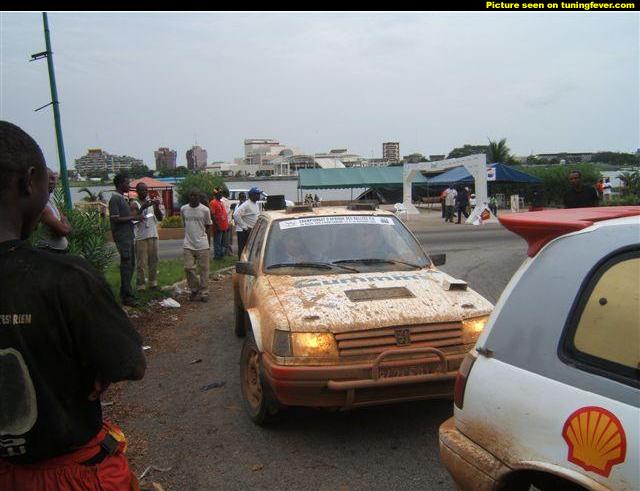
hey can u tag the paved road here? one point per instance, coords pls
(209, 443)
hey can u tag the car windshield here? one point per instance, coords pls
(341, 244)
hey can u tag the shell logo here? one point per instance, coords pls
(596, 439)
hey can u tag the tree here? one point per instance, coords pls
(139, 170)
(179, 171)
(414, 158)
(616, 158)
(467, 150)
(498, 152)
(204, 182)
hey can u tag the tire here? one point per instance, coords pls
(258, 399)
(240, 321)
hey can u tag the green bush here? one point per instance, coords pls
(555, 179)
(627, 200)
(174, 221)
(206, 183)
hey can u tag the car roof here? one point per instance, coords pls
(539, 228)
(302, 212)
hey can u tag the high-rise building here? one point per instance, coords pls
(196, 158)
(165, 158)
(391, 151)
(98, 161)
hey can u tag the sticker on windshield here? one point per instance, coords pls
(337, 220)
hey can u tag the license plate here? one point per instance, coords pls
(406, 371)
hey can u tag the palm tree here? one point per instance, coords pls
(498, 152)
(91, 197)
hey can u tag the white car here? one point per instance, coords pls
(549, 398)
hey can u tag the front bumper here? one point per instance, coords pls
(471, 466)
(365, 384)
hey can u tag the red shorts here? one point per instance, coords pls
(66, 473)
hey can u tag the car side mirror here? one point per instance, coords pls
(438, 259)
(245, 267)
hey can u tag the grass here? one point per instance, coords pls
(170, 271)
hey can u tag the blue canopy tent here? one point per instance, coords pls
(504, 173)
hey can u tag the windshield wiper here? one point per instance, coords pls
(378, 261)
(311, 265)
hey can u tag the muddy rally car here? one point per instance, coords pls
(342, 308)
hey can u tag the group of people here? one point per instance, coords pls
(312, 200)
(216, 219)
(453, 200)
(63, 340)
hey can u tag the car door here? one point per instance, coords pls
(253, 255)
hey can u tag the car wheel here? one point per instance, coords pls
(259, 402)
(239, 328)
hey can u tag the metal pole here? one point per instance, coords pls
(64, 177)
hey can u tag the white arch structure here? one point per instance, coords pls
(475, 164)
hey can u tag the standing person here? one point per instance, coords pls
(443, 195)
(228, 235)
(606, 189)
(450, 201)
(462, 202)
(146, 237)
(600, 188)
(493, 205)
(246, 215)
(122, 217)
(240, 238)
(196, 218)
(55, 227)
(220, 224)
(63, 340)
(579, 196)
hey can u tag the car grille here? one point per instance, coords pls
(375, 341)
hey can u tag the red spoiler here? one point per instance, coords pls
(540, 227)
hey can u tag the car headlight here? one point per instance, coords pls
(471, 328)
(315, 344)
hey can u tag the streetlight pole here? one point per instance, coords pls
(48, 54)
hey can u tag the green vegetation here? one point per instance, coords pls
(617, 159)
(555, 180)
(174, 221)
(170, 271)
(498, 152)
(203, 182)
(467, 150)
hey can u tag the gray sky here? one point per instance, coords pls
(129, 83)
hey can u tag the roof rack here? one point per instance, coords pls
(298, 208)
(363, 205)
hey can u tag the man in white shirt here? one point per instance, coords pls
(449, 202)
(197, 236)
(145, 232)
(245, 216)
(606, 189)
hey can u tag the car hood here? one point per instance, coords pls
(350, 302)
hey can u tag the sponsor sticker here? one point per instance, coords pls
(596, 439)
(337, 220)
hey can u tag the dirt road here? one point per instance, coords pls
(209, 443)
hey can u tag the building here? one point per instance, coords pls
(165, 158)
(435, 158)
(391, 151)
(342, 155)
(97, 161)
(196, 158)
